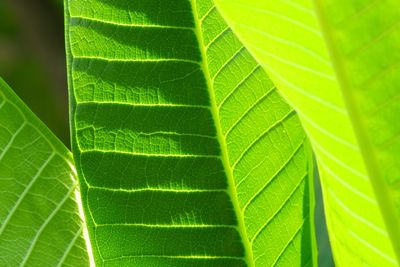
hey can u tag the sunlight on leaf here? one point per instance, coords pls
(337, 63)
(185, 151)
(40, 223)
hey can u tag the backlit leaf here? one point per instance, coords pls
(186, 154)
(336, 61)
(39, 220)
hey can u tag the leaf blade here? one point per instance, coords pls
(300, 60)
(232, 78)
(39, 214)
(175, 144)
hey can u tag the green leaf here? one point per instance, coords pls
(337, 63)
(186, 154)
(40, 224)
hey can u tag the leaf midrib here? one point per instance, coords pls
(379, 186)
(221, 140)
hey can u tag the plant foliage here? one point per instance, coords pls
(337, 63)
(40, 223)
(185, 151)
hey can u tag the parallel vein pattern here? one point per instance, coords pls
(39, 220)
(187, 155)
(268, 155)
(153, 181)
(337, 62)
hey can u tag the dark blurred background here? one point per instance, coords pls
(32, 58)
(32, 62)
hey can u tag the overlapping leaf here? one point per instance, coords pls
(39, 220)
(185, 152)
(337, 63)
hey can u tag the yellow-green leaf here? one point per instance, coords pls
(337, 62)
(39, 219)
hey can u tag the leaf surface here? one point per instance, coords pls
(337, 63)
(186, 153)
(40, 224)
